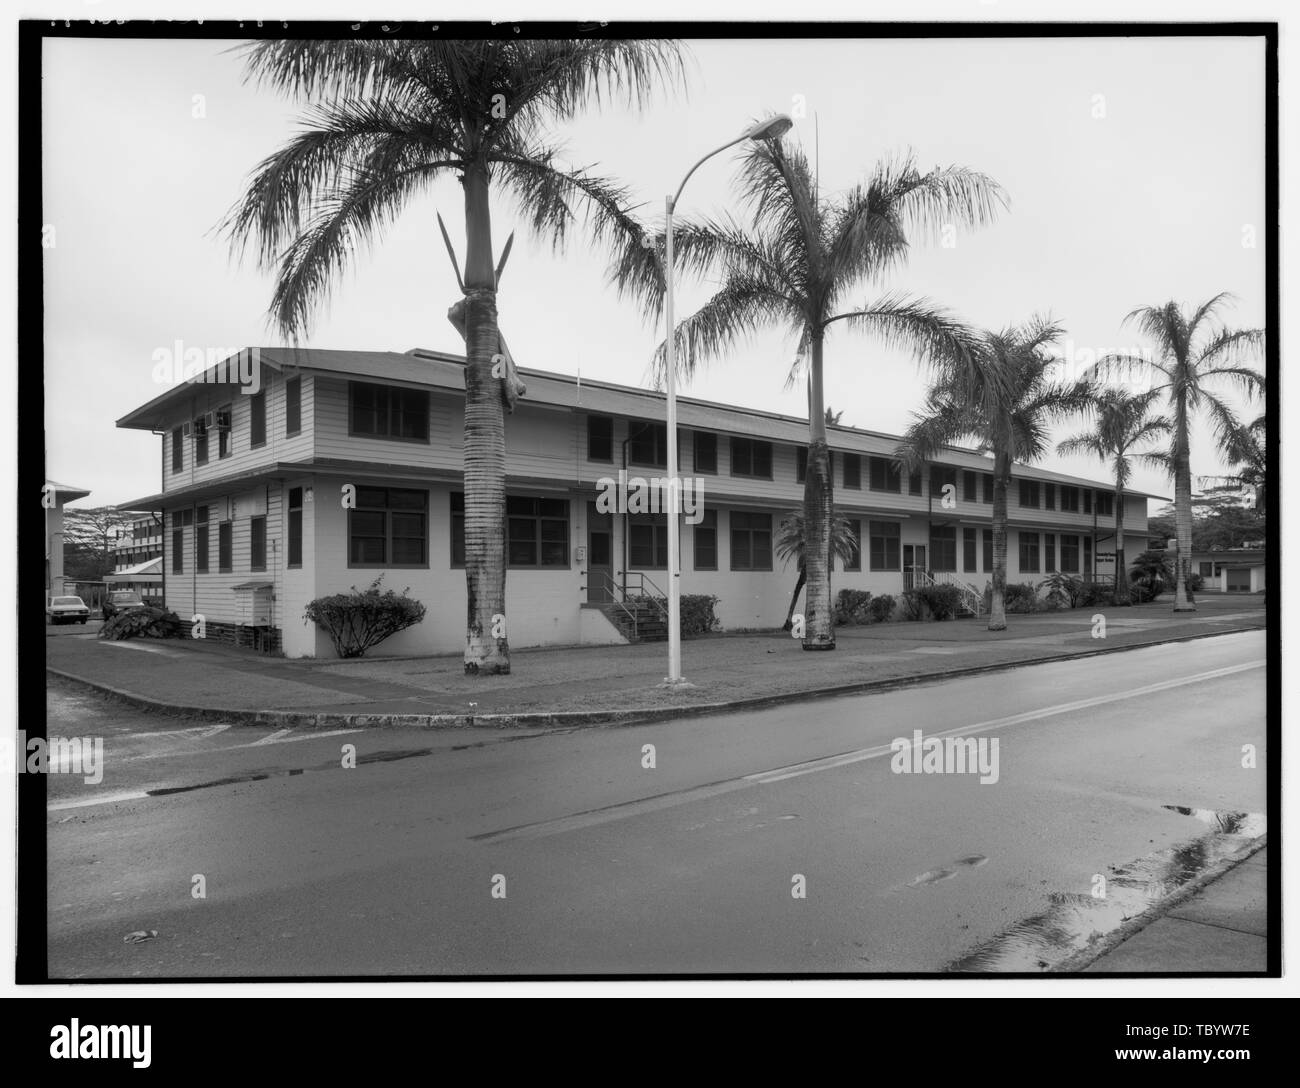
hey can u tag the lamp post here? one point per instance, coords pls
(763, 130)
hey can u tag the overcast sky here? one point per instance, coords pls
(1108, 213)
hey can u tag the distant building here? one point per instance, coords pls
(138, 559)
(57, 495)
(255, 527)
(1231, 570)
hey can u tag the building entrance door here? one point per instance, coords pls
(600, 556)
(913, 561)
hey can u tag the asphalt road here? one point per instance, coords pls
(563, 853)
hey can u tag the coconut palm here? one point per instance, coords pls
(1001, 397)
(1122, 421)
(1248, 453)
(791, 542)
(1193, 351)
(389, 118)
(794, 266)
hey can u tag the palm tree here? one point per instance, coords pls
(791, 541)
(1122, 421)
(1000, 396)
(794, 265)
(1248, 452)
(1192, 352)
(389, 118)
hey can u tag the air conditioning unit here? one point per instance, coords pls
(223, 420)
(185, 430)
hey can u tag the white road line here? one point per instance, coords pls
(814, 765)
(662, 801)
(271, 738)
(98, 799)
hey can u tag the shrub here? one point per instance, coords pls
(881, 609)
(697, 615)
(1022, 597)
(146, 622)
(852, 607)
(1151, 571)
(932, 602)
(360, 619)
(1062, 590)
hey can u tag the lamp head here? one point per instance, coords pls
(769, 129)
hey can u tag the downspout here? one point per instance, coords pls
(1094, 535)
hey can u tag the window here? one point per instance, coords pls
(1207, 570)
(457, 528)
(969, 487)
(914, 483)
(1087, 500)
(1069, 499)
(988, 487)
(257, 543)
(201, 540)
(178, 449)
(293, 556)
(648, 445)
(942, 476)
(1069, 553)
(537, 531)
(884, 548)
(384, 411)
(801, 464)
(1049, 496)
(180, 519)
(1105, 504)
(752, 458)
(1087, 555)
(223, 432)
(854, 562)
(600, 438)
(988, 549)
(706, 452)
(388, 528)
(1029, 493)
(969, 550)
(1049, 553)
(751, 538)
(225, 537)
(943, 547)
(706, 541)
(647, 541)
(257, 420)
(853, 471)
(200, 441)
(292, 406)
(1028, 553)
(884, 474)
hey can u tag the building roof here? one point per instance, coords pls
(66, 492)
(440, 370)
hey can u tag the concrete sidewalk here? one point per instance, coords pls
(576, 685)
(1222, 927)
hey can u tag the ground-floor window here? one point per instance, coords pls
(706, 541)
(257, 543)
(293, 555)
(225, 547)
(854, 561)
(1069, 553)
(988, 549)
(537, 531)
(968, 550)
(201, 540)
(647, 541)
(884, 551)
(1207, 570)
(1049, 552)
(1087, 555)
(751, 541)
(1029, 553)
(389, 528)
(943, 547)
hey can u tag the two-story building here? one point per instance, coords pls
(137, 559)
(255, 522)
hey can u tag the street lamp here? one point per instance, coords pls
(761, 130)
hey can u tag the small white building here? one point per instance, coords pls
(1231, 570)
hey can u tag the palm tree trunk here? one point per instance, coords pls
(1182, 511)
(1122, 595)
(794, 600)
(819, 634)
(487, 649)
(998, 602)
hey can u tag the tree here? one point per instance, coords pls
(794, 265)
(387, 119)
(1247, 451)
(1193, 352)
(791, 543)
(1122, 421)
(90, 540)
(1000, 396)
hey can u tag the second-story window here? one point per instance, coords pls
(1087, 500)
(914, 483)
(257, 420)
(884, 474)
(1029, 494)
(200, 441)
(706, 452)
(1049, 496)
(1070, 500)
(988, 487)
(1105, 504)
(750, 457)
(600, 438)
(969, 486)
(178, 449)
(801, 464)
(648, 444)
(292, 406)
(223, 432)
(383, 411)
(853, 471)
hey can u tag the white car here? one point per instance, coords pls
(67, 610)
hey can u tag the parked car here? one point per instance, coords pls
(121, 600)
(67, 610)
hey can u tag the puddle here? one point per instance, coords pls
(933, 876)
(1075, 921)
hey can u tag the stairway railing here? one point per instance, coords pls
(972, 598)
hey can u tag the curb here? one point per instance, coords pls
(581, 718)
(1086, 957)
